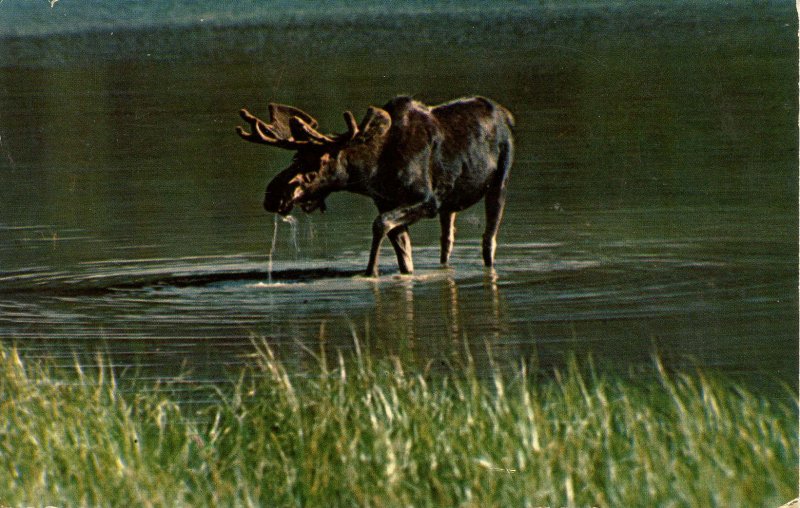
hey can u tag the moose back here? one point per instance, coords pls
(414, 161)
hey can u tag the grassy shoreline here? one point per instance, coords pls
(367, 432)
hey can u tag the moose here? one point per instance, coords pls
(414, 161)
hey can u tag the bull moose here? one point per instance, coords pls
(414, 161)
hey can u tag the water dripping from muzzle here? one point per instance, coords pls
(293, 232)
(293, 229)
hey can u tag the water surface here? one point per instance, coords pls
(652, 204)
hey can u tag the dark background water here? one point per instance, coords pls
(652, 204)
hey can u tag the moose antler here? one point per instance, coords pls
(352, 127)
(291, 128)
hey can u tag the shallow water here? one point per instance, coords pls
(652, 204)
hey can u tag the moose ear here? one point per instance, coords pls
(375, 124)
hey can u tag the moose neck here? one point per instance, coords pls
(359, 165)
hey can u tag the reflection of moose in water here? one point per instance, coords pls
(414, 161)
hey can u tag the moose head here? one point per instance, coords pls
(323, 163)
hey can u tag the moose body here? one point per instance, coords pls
(413, 160)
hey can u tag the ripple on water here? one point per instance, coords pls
(199, 309)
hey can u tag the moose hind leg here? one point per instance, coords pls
(495, 202)
(401, 241)
(447, 221)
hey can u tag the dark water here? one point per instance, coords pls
(652, 205)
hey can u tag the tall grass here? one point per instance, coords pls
(367, 432)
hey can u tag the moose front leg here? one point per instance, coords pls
(374, 251)
(401, 241)
(400, 219)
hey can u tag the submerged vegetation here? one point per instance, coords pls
(368, 432)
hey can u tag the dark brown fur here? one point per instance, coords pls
(414, 161)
